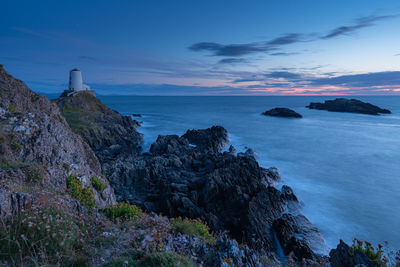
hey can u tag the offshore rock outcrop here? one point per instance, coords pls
(282, 112)
(348, 105)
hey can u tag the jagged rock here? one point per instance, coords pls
(344, 256)
(282, 112)
(13, 202)
(348, 105)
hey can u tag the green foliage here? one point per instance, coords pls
(11, 108)
(98, 184)
(8, 164)
(192, 227)
(83, 194)
(42, 236)
(123, 211)
(15, 146)
(367, 249)
(165, 259)
(121, 261)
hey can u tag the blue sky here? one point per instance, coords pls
(205, 47)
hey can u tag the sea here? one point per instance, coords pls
(344, 167)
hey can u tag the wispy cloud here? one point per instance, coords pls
(284, 74)
(232, 60)
(236, 50)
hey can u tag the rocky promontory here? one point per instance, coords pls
(76, 189)
(282, 112)
(348, 105)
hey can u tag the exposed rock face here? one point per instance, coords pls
(344, 256)
(189, 176)
(38, 148)
(348, 105)
(282, 112)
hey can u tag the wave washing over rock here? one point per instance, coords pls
(66, 163)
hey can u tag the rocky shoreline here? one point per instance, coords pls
(78, 157)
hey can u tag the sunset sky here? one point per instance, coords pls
(230, 47)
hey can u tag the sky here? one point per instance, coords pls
(218, 47)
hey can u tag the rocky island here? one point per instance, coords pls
(76, 189)
(348, 105)
(282, 112)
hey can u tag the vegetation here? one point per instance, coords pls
(41, 236)
(122, 261)
(15, 146)
(98, 184)
(76, 118)
(192, 227)
(11, 108)
(123, 210)
(34, 172)
(83, 194)
(165, 259)
(367, 249)
(8, 164)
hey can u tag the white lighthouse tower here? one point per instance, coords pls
(76, 84)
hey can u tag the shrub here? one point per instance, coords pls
(83, 194)
(192, 227)
(39, 235)
(11, 108)
(98, 184)
(122, 210)
(34, 172)
(121, 261)
(368, 250)
(165, 259)
(15, 146)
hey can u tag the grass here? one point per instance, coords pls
(75, 118)
(123, 210)
(44, 236)
(8, 164)
(98, 184)
(83, 194)
(166, 259)
(192, 227)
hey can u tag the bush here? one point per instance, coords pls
(39, 235)
(122, 210)
(98, 184)
(11, 108)
(368, 250)
(15, 146)
(192, 227)
(83, 194)
(166, 259)
(34, 172)
(122, 261)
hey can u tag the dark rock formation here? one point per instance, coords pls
(348, 105)
(344, 256)
(282, 112)
(189, 176)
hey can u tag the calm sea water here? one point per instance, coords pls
(344, 167)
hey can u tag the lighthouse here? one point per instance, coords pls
(76, 83)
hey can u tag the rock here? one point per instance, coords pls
(348, 105)
(282, 112)
(344, 256)
(137, 115)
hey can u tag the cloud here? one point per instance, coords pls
(284, 54)
(385, 78)
(232, 60)
(284, 74)
(286, 39)
(360, 23)
(231, 50)
(247, 80)
(236, 50)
